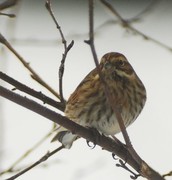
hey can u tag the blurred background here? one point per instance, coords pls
(34, 36)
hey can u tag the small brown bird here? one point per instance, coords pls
(89, 106)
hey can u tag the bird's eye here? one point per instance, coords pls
(121, 63)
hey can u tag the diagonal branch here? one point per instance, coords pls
(9, 15)
(41, 160)
(12, 167)
(34, 75)
(128, 25)
(106, 143)
(37, 94)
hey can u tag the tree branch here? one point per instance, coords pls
(37, 94)
(28, 152)
(41, 160)
(66, 50)
(128, 25)
(34, 75)
(111, 98)
(105, 142)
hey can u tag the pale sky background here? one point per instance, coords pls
(34, 36)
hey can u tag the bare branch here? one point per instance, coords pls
(34, 75)
(123, 151)
(106, 143)
(9, 15)
(111, 98)
(167, 174)
(37, 94)
(11, 168)
(42, 159)
(145, 11)
(107, 92)
(128, 25)
(66, 49)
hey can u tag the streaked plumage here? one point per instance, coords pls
(88, 105)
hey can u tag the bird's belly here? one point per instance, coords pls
(109, 125)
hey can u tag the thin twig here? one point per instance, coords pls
(37, 94)
(66, 49)
(42, 159)
(108, 94)
(34, 75)
(27, 153)
(105, 142)
(110, 97)
(9, 15)
(127, 25)
(145, 11)
(167, 174)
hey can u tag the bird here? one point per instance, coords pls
(88, 105)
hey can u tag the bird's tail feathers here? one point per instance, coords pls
(65, 137)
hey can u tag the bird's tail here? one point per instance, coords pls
(65, 137)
